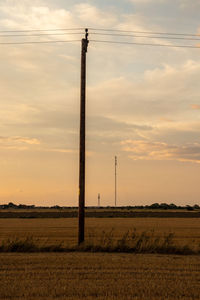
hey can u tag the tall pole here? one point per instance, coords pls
(81, 212)
(115, 181)
(99, 197)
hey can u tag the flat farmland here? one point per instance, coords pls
(103, 276)
(53, 231)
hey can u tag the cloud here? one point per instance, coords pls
(189, 5)
(147, 150)
(164, 91)
(147, 1)
(19, 139)
(89, 14)
(22, 15)
(195, 106)
(17, 142)
(129, 102)
(164, 119)
(106, 124)
(72, 151)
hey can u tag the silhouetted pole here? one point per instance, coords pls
(115, 180)
(81, 212)
(99, 197)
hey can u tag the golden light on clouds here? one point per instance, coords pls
(195, 106)
(141, 104)
(146, 150)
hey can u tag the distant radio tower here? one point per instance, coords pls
(99, 197)
(115, 181)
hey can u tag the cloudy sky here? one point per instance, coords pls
(143, 103)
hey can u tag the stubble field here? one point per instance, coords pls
(78, 275)
(99, 276)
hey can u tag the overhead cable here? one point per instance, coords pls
(146, 44)
(102, 29)
(101, 34)
(146, 36)
(145, 32)
(39, 34)
(38, 42)
(40, 30)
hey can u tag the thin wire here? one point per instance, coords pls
(101, 29)
(40, 30)
(102, 34)
(146, 36)
(38, 34)
(35, 42)
(145, 32)
(98, 41)
(146, 44)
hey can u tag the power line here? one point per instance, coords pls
(102, 29)
(146, 44)
(39, 34)
(101, 34)
(146, 36)
(145, 32)
(100, 41)
(40, 30)
(37, 42)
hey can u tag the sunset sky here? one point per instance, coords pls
(143, 104)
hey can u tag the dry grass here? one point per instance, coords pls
(130, 242)
(111, 235)
(99, 276)
(56, 231)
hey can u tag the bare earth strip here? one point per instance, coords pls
(99, 276)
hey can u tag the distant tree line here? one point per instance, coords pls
(162, 206)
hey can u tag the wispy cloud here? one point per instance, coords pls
(18, 143)
(147, 1)
(147, 150)
(19, 139)
(189, 5)
(195, 106)
(62, 150)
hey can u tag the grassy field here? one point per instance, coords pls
(61, 230)
(99, 276)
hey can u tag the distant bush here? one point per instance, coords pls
(190, 208)
(162, 206)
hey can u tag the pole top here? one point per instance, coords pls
(86, 39)
(86, 33)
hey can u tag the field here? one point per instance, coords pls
(99, 276)
(85, 275)
(54, 231)
(115, 212)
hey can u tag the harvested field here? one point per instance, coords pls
(56, 231)
(103, 276)
(100, 276)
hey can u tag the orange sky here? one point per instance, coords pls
(143, 105)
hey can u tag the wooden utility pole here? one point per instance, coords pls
(81, 212)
